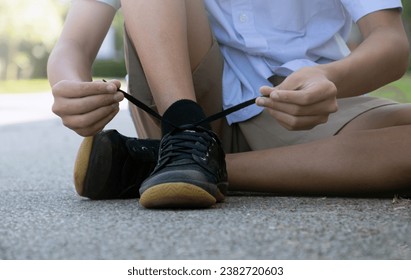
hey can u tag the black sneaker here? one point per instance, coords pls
(112, 166)
(191, 171)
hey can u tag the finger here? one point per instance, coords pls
(311, 94)
(117, 83)
(96, 127)
(76, 122)
(266, 90)
(322, 108)
(83, 105)
(298, 97)
(291, 122)
(70, 89)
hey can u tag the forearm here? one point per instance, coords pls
(86, 26)
(68, 62)
(379, 60)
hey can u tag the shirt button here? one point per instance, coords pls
(243, 18)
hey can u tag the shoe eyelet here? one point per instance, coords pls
(205, 157)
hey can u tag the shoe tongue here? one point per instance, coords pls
(189, 130)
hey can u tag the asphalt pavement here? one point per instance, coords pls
(41, 217)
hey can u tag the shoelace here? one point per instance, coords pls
(186, 140)
(182, 145)
(208, 119)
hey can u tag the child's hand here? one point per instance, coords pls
(86, 107)
(304, 100)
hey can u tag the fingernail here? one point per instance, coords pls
(274, 95)
(264, 90)
(111, 87)
(118, 97)
(260, 101)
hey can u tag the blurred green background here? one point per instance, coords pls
(29, 30)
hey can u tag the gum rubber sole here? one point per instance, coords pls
(81, 164)
(178, 195)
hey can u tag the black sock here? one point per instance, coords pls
(182, 112)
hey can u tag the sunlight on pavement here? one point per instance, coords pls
(30, 107)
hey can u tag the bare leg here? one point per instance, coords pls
(370, 156)
(171, 37)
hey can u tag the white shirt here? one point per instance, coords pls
(260, 38)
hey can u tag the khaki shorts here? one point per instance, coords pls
(257, 133)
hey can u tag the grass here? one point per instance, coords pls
(399, 90)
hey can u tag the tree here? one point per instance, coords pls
(28, 30)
